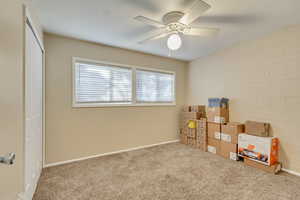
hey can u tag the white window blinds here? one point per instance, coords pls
(155, 87)
(102, 84)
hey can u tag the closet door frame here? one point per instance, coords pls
(29, 22)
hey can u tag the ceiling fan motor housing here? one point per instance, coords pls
(171, 21)
(172, 17)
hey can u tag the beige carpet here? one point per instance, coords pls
(172, 171)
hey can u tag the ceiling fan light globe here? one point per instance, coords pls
(174, 42)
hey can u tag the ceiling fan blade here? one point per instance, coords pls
(202, 31)
(149, 21)
(161, 34)
(195, 11)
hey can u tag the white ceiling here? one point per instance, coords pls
(111, 22)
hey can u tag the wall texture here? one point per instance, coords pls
(78, 132)
(262, 79)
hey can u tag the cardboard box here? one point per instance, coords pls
(202, 123)
(188, 141)
(274, 169)
(201, 127)
(230, 132)
(214, 130)
(201, 144)
(184, 123)
(228, 150)
(257, 128)
(213, 146)
(261, 149)
(198, 108)
(186, 108)
(184, 130)
(183, 137)
(191, 115)
(190, 132)
(192, 141)
(217, 115)
(201, 134)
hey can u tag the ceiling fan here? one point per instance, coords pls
(177, 23)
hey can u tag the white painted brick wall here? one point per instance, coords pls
(262, 79)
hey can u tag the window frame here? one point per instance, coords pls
(133, 103)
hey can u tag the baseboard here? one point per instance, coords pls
(291, 172)
(108, 153)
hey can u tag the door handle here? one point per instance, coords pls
(8, 159)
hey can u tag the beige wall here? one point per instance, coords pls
(12, 95)
(78, 132)
(11, 98)
(262, 79)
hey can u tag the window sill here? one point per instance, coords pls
(97, 105)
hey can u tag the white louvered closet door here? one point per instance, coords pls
(33, 112)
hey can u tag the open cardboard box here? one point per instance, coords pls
(261, 149)
(257, 128)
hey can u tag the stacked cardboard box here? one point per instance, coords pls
(201, 127)
(217, 114)
(192, 142)
(222, 134)
(214, 136)
(191, 132)
(191, 135)
(187, 116)
(183, 137)
(186, 108)
(229, 139)
(193, 126)
(198, 108)
(192, 115)
(218, 110)
(257, 148)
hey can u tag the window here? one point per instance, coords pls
(102, 84)
(154, 87)
(106, 84)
